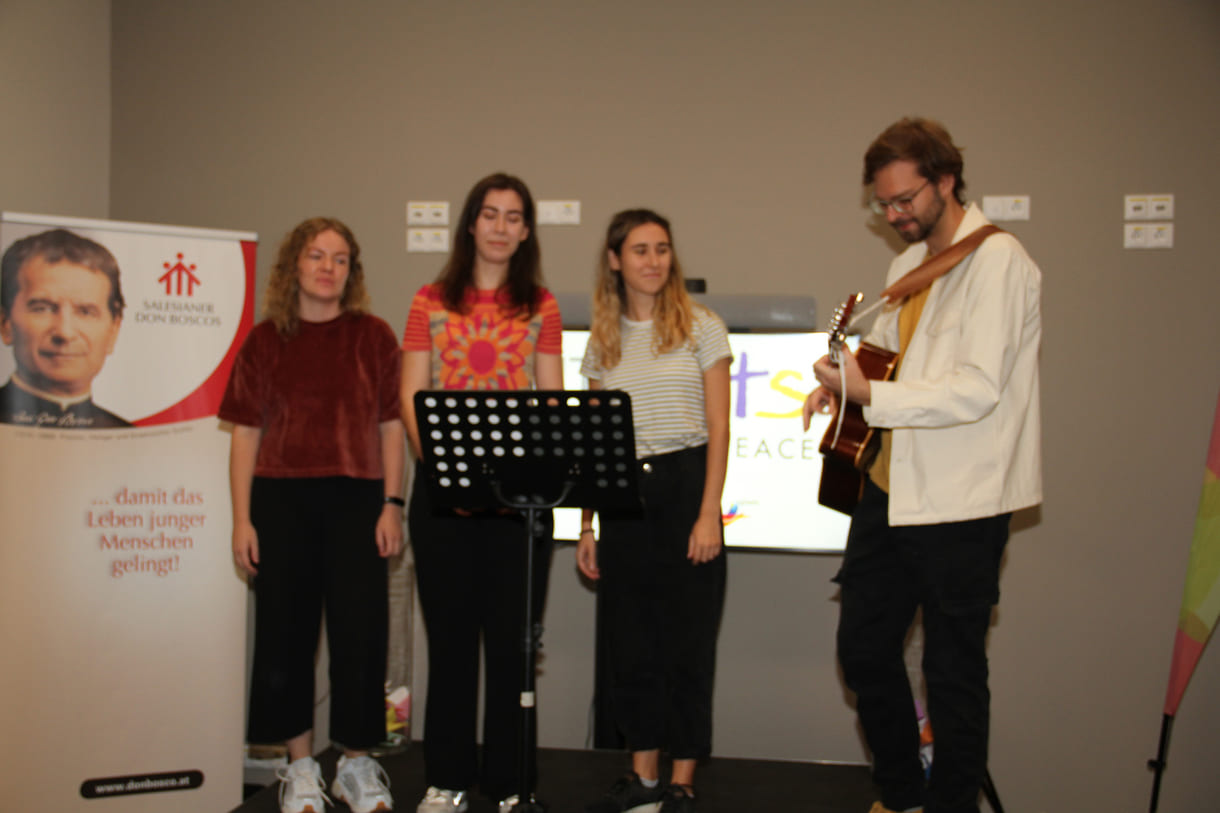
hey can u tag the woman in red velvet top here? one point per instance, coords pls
(486, 323)
(316, 469)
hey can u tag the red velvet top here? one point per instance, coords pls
(319, 396)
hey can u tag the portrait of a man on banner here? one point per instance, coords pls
(61, 306)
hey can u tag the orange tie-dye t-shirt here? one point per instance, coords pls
(484, 348)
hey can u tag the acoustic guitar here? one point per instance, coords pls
(850, 444)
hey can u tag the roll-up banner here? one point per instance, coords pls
(122, 618)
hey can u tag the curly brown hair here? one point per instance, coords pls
(281, 304)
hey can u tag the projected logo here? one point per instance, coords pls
(773, 465)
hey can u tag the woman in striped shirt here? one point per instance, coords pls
(662, 569)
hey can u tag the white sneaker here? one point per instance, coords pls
(437, 800)
(507, 805)
(363, 784)
(301, 788)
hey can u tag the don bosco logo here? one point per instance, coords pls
(179, 308)
(179, 278)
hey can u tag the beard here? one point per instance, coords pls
(924, 222)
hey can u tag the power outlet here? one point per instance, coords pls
(1006, 207)
(1135, 235)
(427, 241)
(559, 213)
(427, 213)
(1160, 235)
(1160, 207)
(1148, 207)
(1135, 207)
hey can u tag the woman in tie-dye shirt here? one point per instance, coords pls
(486, 323)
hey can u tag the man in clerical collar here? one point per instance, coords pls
(60, 309)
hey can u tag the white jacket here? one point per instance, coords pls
(964, 409)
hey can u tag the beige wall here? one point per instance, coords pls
(55, 94)
(745, 123)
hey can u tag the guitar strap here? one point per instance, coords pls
(937, 265)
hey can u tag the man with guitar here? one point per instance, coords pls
(959, 452)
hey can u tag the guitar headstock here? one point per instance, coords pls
(840, 322)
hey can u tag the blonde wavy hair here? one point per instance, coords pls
(281, 303)
(671, 316)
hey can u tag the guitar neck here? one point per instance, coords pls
(835, 351)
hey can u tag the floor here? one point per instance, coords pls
(569, 779)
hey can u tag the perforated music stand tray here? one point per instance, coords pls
(530, 450)
(493, 448)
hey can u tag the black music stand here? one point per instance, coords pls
(529, 450)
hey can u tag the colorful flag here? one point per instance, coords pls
(1201, 597)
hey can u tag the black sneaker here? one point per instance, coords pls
(677, 799)
(627, 795)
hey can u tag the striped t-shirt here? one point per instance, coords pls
(666, 390)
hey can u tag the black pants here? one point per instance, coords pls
(470, 572)
(661, 613)
(951, 571)
(318, 549)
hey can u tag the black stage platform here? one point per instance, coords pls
(570, 779)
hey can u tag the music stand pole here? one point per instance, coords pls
(531, 643)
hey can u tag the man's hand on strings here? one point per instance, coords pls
(858, 390)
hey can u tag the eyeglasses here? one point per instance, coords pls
(901, 206)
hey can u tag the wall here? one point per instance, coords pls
(55, 91)
(746, 123)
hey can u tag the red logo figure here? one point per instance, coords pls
(178, 272)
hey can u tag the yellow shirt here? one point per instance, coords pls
(908, 318)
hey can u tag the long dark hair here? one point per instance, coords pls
(524, 281)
